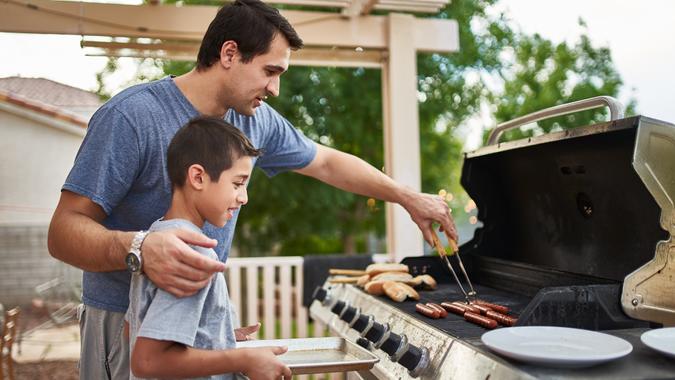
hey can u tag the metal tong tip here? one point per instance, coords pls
(469, 296)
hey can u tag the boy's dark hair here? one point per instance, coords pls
(209, 142)
(252, 24)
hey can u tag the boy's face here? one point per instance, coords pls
(256, 80)
(220, 200)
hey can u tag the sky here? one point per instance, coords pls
(639, 33)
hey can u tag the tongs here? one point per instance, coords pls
(471, 295)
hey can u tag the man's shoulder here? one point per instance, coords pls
(137, 97)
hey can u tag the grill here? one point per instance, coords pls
(576, 231)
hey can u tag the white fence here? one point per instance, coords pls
(267, 290)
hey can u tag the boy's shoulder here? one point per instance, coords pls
(170, 224)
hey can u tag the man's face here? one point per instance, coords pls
(254, 81)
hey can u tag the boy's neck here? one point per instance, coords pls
(182, 208)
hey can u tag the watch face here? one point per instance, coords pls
(133, 263)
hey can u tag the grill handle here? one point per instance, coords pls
(615, 112)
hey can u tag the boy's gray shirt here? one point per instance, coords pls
(203, 320)
(121, 166)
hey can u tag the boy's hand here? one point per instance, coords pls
(175, 267)
(241, 334)
(264, 365)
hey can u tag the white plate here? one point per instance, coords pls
(662, 340)
(556, 346)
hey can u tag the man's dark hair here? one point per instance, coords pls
(209, 142)
(252, 24)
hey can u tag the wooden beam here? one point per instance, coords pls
(188, 52)
(188, 23)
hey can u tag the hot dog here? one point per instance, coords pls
(480, 320)
(427, 311)
(493, 306)
(467, 307)
(501, 318)
(482, 308)
(451, 307)
(443, 312)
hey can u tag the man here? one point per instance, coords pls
(118, 185)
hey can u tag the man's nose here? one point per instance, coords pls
(273, 86)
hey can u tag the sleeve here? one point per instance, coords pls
(108, 160)
(174, 319)
(286, 147)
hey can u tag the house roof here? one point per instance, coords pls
(43, 108)
(51, 93)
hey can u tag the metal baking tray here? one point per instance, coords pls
(319, 355)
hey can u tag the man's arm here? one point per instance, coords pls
(163, 359)
(77, 237)
(352, 174)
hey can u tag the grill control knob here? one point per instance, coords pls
(324, 297)
(348, 314)
(394, 345)
(376, 332)
(415, 359)
(320, 294)
(363, 323)
(365, 343)
(338, 307)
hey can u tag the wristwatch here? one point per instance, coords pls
(133, 259)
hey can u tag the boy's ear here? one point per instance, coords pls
(228, 52)
(196, 177)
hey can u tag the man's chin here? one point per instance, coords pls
(247, 111)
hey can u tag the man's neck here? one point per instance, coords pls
(204, 91)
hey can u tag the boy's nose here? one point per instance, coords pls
(243, 197)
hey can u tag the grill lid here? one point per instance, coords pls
(587, 201)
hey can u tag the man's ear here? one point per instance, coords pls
(228, 53)
(197, 177)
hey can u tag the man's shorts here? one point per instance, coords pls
(104, 348)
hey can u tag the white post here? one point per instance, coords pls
(401, 132)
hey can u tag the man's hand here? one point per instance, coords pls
(263, 364)
(175, 267)
(425, 209)
(242, 334)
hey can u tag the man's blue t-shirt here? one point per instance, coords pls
(121, 166)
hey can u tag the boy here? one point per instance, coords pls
(209, 162)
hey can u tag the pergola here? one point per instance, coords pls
(350, 37)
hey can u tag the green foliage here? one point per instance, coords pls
(543, 74)
(342, 108)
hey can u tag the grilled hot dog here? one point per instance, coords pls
(427, 311)
(466, 307)
(451, 307)
(480, 320)
(482, 308)
(501, 318)
(441, 310)
(493, 306)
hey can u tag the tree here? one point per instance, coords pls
(342, 108)
(543, 74)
